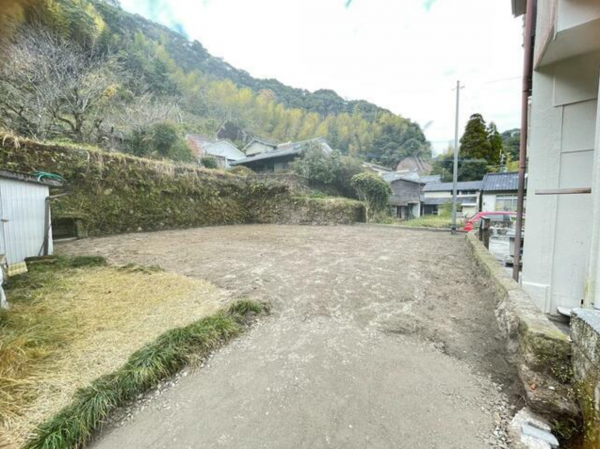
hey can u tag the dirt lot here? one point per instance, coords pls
(379, 337)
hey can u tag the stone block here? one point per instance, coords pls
(530, 431)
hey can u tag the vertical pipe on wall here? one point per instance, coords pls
(527, 75)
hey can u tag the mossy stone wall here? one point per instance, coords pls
(114, 193)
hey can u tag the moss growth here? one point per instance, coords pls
(585, 391)
(113, 193)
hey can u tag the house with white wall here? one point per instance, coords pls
(437, 194)
(499, 192)
(223, 151)
(258, 146)
(281, 158)
(561, 252)
(562, 238)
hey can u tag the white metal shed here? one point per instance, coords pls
(24, 218)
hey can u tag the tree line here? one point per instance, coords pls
(482, 150)
(91, 73)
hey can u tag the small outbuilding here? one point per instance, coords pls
(405, 201)
(25, 229)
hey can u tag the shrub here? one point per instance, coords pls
(161, 140)
(209, 162)
(241, 171)
(373, 191)
(335, 170)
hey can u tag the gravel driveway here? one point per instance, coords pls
(379, 338)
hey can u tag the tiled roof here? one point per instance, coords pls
(286, 149)
(448, 186)
(205, 146)
(260, 140)
(501, 182)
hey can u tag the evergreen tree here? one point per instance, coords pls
(475, 143)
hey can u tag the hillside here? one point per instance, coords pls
(153, 75)
(193, 56)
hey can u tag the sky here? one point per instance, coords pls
(404, 55)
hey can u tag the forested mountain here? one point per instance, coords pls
(145, 75)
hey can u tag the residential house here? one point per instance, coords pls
(405, 201)
(222, 150)
(561, 268)
(258, 146)
(436, 194)
(280, 158)
(561, 252)
(499, 192)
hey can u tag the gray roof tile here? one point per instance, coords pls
(447, 186)
(501, 182)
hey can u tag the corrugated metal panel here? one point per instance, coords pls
(22, 206)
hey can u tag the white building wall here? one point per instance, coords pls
(22, 214)
(575, 13)
(561, 150)
(488, 203)
(437, 194)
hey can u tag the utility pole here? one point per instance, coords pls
(455, 170)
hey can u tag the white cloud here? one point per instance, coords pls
(403, 55)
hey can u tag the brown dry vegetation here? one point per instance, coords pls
(69, 325)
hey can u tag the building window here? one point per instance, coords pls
(506, 203)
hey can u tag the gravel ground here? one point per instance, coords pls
(379, 337)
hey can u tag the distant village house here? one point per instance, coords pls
(437, 194)
(223, 151)
(405, 201)
(258, 146)
(499, 192)
(279, 158)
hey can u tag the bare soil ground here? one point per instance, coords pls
(379, 337)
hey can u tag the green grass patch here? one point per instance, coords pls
(429, 221)
(74, 425)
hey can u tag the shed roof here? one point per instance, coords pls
(24, 177)
(501, 182)
(448, 186)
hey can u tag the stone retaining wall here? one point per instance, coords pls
(540, 351)
(112, 193)
(585, 332)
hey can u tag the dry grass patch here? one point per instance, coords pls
(78, 320)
